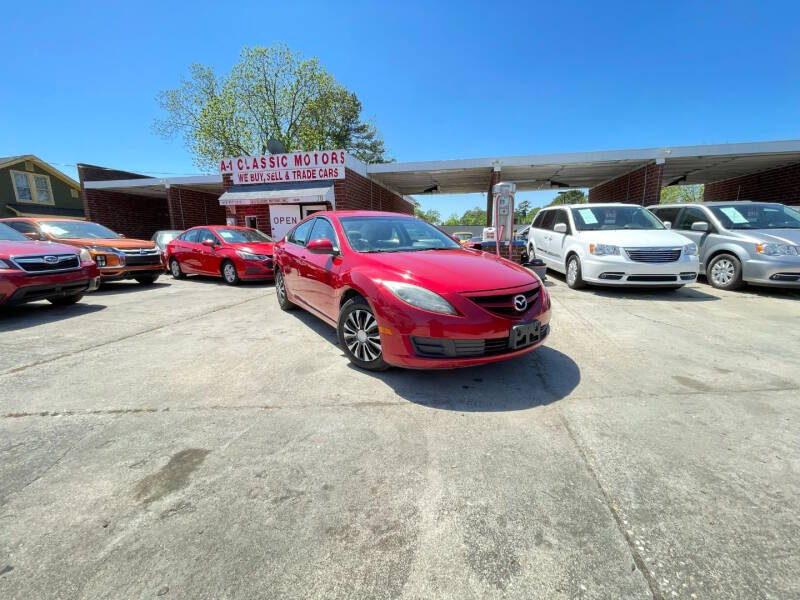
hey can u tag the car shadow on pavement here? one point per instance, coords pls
(534, 379)
(23, 316)
(684, 294)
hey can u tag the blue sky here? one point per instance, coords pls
(450, 81)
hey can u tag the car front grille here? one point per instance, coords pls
(449, 348)
(504, 304)
(48, 263)
(653, 255)
(141, 256)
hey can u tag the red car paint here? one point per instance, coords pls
(322, 283)
(197, 258)
(18, 285)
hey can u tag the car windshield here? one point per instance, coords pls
(78, 229)
(597, 218)
(11, 235)
(757, 216)
(394, 234)
(243, 236)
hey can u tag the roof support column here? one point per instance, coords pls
(494, 179)
(641, 186)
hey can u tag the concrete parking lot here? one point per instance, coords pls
(191, 440)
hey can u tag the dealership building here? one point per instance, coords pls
(274, 191)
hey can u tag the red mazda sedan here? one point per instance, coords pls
(233, 253)
(400, 292)
(32, 271)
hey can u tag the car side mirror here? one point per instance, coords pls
(667, 224)
(700, 226)
(320, 246)
(560, 228)
(209, 243)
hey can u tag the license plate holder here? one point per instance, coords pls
(524, 334)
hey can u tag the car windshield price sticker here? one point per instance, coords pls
(734, 215)
(588, 216)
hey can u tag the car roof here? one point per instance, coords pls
(717, 203)
(587, 205)
(360, 213)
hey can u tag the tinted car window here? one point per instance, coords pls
(561, 217)
(324, 230)
(691, 215)
(299, 234)
(6, 233)
(23, 227)
(547, 220)
(206, 234)
(190, 236)
(537, 222)
(666, 214)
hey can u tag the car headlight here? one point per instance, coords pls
(603, 249)
(778, 249)
(85, 256)
(420, 297)
(690, 249)
(251, 256)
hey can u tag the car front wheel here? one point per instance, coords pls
(359, 335)
(725, 272)
(574, 278)
(229, 273)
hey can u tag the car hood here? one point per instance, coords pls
(777, 236)
(9, 248)
(636, 238)
(254, 248)
(121, 243)
(456, 270)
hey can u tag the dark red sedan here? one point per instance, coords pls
(400, 292)
(233, 253)
(32, 270)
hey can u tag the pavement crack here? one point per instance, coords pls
(641, 565)
(45, 361)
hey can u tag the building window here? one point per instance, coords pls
(32, 188)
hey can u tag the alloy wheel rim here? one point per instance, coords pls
(279, 286)
(361, 335)
(722, 271)
(230, 272)
(176, 270)
(572, 271)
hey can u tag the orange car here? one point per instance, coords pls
(116, 256)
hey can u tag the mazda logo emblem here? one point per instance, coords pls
(520, 303)
(51, 260)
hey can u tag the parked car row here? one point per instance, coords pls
(669, 245)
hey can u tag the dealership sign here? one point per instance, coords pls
(296, 166)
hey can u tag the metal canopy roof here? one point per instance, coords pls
(682, 164)
(156, 187)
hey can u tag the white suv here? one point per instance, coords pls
(611, 244)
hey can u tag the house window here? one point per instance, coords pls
(32, 187)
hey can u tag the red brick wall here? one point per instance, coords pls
(135, 216)
(775, 185)
(189, 208)
(355, 192)
(642, 186)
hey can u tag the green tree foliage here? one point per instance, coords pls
(682, 193)
(570, 197)
(270, 93)
(521, 212)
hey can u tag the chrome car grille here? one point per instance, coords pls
(503, 304)
(653, 255)
(140, 256)
(47, 263)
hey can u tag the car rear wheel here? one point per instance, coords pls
(724, 272)
(147, 280)
(65, 300)
(359, 335)
(574, 278)
(229, 273)
(175, 269)
(280, 292)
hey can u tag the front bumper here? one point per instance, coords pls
(620, 270)
(17, 287)
(779, 272)
(120, 273)
(405, 330)
(254, 269)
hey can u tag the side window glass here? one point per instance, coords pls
(537, 221)
(691, 215)
(23, 227)
(561, 217)
(547, 220)
(300, 234)
(667, 214)
(190, 236)
(324, 230)
(206, 234)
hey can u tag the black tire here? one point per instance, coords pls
(228, 272)
(574, 278)
(65, 300)
(175, 269)
(147, 280)
(724, 272)
(280, 292)
(359, 336)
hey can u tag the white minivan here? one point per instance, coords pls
(611, 244)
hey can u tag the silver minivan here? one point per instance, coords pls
(752, 242)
